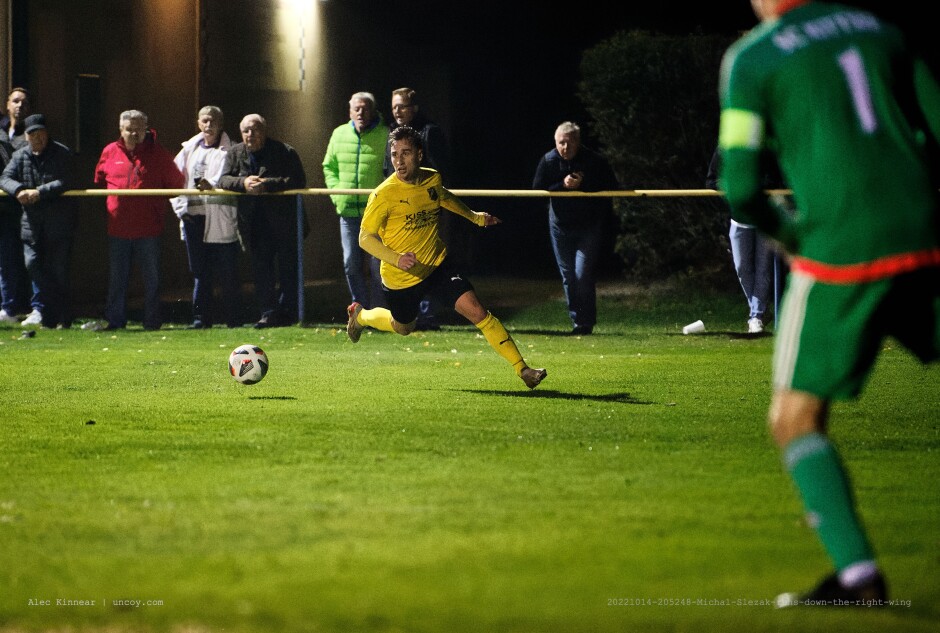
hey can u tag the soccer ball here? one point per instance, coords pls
(248, 364)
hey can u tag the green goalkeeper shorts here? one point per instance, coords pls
(829, 335)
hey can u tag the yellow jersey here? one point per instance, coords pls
(401, 218)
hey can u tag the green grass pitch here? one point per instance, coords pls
(413, 484)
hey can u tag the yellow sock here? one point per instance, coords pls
(378, 318)
(499, 339)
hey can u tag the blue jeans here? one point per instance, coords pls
(123, 253)
(211, 264)
(577, 250)
(12, 261)
(47, 246)
(754, 264)
(368, 294)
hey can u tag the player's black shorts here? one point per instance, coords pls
(445, 284)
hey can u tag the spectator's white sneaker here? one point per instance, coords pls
(6, 317)
(755, 326)
(33, 318)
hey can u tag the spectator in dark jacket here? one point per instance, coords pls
(268, 224)
(36, 177)
(405, 111)
(13, 281)
(576, 224)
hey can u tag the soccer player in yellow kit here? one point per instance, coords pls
(400, 227)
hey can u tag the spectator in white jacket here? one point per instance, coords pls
(209, 223)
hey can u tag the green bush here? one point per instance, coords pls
(653, 100)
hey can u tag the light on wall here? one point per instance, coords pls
(298, 26)
(276, 44)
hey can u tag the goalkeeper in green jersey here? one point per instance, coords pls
(853, 117)
(400, 227)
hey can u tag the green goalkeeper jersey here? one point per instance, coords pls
(853, 117)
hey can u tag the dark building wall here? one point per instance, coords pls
(497, 76)
(168, 58)
(143, 55)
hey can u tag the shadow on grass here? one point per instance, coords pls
(623, 398)
(542, 332)
(727, 333)
(563, 333)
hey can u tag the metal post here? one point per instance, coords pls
(300, 258)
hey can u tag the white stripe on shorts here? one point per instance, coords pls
(792, 316)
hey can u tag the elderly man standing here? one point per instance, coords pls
(576, 225)
(36, 177)
(208, 224)
(353, 160)
(256, 166)
(135, 223)
(12, 270)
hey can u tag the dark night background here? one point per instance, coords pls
(504, 75)
(497, 76)
(515, 70)
(515, 66)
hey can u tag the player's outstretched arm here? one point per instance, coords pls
(457, 206)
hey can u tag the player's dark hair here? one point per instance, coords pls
(406, 131)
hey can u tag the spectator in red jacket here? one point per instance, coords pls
(135, 223)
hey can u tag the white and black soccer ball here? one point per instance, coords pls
(248, 364)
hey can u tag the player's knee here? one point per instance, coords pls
(474, 313)
(794, 414)
(779, 428)
(470, 308)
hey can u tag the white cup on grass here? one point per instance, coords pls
(694, 328)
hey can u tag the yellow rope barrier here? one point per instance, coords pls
(492, 193)
(495, 193)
